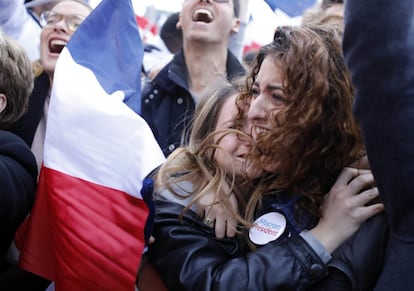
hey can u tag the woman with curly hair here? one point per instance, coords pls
(298, 102)
(300, 98)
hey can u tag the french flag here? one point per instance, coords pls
(86, 230)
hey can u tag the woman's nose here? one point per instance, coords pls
(257, 109)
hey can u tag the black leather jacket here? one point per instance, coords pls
(357, 264)
(189, 257)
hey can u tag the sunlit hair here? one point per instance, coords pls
(315, 134)
(16, 80)
(322, 18)
(195, 163)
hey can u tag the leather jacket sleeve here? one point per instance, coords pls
(190, 257)
(357, 264)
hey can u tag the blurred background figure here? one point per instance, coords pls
(20, 19)
(169, 100)
(161, 47)
(22, 25)
(325, 11)
(59, 24)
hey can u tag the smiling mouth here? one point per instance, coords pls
(56, 46)
(260, 130)
(202, 15)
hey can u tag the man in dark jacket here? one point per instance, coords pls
(378, 48)
(168, 101)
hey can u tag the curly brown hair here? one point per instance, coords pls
(316, 134)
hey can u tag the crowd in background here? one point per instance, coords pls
(288, 166)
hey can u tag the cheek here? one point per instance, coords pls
(224, 154)
(43, 39)
(229, 143)
(222, 159)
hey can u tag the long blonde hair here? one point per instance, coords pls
(195, 162)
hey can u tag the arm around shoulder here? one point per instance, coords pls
(190, 257)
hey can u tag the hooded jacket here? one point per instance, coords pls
(18, 179)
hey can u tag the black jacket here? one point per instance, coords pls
(379, 51)
(189, 257)
(168, 105)
(18, 179)
(357, 264)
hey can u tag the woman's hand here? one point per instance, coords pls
(346, 207)
(361, 164)
(215, 215)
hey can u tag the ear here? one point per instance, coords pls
(178, 25)
(3, 102)
(236, 26)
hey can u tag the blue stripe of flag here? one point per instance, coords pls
(109, 44)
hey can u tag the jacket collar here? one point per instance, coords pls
(176, 70)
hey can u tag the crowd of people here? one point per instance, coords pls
(291, 173)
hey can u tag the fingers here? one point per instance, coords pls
(364, 197)
(220, 227)
(209, 216)
(360, 190)
(363, 213)
(362, 163)
(209, 221)
(347, 205)
(231, 228)
(363, 209)
(205, 202)
(352, 181)
(151, 240)
(345, 177)
(232, 221)
(223, 224)
(364, 180)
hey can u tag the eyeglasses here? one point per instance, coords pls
(48, 18)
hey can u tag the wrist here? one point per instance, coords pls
(316, 245)
(326, 237)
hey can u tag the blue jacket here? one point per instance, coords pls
(168, 105)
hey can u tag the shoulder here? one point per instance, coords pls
(183, 187)
(7, 138)
(234, 67)
(14, 153)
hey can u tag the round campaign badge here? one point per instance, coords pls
(267, 228)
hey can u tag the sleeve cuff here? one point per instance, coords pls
(316, 246)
